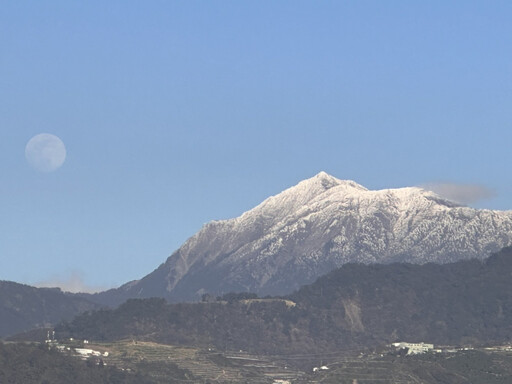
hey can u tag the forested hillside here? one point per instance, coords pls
(468, 302)
(23, 307)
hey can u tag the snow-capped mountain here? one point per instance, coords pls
(320, 224)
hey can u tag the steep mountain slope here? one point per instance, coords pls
(23, 307)
(314, 227)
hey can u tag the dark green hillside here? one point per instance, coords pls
(247, 325)
(460, 303)
(468, 302)
(23, 307)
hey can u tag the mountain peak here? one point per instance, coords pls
(301, 195)
(327, 181)
(324, 176)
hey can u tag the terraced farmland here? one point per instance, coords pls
(199, 366)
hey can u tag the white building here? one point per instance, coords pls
(84, 351)
(414, 348)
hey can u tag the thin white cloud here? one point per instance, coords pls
(461, 193)
(74, 283)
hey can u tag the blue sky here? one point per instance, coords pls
(177, 113)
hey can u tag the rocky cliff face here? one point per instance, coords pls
(320, 224)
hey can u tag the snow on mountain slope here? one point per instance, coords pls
(318, 225)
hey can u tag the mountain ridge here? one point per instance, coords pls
(313, 227)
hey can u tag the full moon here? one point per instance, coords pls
(45, 152)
